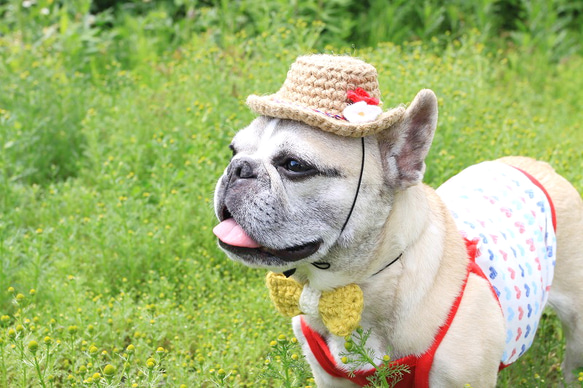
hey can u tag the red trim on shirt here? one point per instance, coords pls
(540, 186)
(419, 366)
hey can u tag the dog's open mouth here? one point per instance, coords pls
(233, 238)
(289, 254)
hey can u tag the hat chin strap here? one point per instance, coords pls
(357, 191)
(322, 264)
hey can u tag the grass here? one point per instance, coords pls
(107, 170)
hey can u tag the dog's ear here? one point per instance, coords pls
(405, 144)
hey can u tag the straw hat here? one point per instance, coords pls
(337, 94)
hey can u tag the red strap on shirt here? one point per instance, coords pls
(321, 351)
(540, 186)
(419, 367)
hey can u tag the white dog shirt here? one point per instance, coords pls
(512, 218)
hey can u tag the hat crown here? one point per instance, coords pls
(316, 92)
(321, 82)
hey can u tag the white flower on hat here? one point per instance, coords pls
(361, 112)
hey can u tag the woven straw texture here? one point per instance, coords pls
(340, 309)
(315, 93)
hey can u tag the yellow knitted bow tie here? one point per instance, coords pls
(339, 309)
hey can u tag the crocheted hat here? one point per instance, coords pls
(337, 94)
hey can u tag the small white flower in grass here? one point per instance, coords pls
(27, 3)
(361, 112)
(90, 19)
(45, 11)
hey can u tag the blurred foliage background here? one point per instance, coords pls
(115, 117)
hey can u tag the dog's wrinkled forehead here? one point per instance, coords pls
(250, 138)
(266, 136)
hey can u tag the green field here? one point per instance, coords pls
(115, 127)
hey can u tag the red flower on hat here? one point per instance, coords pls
(359, 94)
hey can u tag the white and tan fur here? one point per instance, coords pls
(396, 213)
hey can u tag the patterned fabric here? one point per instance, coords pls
(511, 217)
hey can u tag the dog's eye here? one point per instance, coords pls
(296, 166)
(233, 150)
(293, 167)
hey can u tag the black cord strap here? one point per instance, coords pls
(321, 265)
(387, 266)
(357, 190)
(324, 265)
(289, 272)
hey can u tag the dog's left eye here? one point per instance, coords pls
(233, 150)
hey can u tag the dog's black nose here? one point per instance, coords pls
(243, 168)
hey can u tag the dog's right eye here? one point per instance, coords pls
(296, 169)
(296, 166)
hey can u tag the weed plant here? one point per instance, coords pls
(111, 140)
(359, 356)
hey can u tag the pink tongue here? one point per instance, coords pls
(230, 232)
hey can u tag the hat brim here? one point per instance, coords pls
(273, 106)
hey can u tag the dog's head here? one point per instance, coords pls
(287, 198)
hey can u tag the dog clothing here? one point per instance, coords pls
(508, 221)
(511, 216)
(418, 366)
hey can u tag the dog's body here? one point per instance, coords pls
(294, 214)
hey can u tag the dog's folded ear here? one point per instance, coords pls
(405, 144)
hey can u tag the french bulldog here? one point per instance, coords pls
(331, 210)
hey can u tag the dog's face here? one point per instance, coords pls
(288, 191)
(290, 188)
